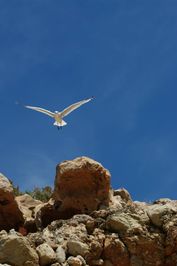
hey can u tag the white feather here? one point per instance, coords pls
(74, 106)
(41, 110)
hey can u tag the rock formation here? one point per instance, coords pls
(81, 186)
(84, 226)
(28, 205)
(10, 214)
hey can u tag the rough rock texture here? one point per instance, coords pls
(115, 232)
(81, 186)
(27, 206)
(10, 214)
(16, 250)
(123, 236)
(74, 261)
(123, 193)
(46, 254)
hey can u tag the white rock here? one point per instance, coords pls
(46, 254)
(155, 213)
(60, 254)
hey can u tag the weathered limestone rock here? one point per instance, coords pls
(74, 237)
(122, 222)
(60, 254)
(156, 213)
(27, 206)
(59, 232)
(16, 250)
(123, 193)
(10, 214)
(74, 261)
(46, 254)
(27, 202)
(77, 248)
(81, 186)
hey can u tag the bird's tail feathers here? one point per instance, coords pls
(60, 124)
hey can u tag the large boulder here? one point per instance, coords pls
(81, 186)
(16, 250)
(10, 214)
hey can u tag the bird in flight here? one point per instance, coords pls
(58, 116)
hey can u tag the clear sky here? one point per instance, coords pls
(124, 52)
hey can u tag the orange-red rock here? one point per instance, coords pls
(10, 214)
(81, 186)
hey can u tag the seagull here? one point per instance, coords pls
(58, 116)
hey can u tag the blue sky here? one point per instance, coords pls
(55, 53)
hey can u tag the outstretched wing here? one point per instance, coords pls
(74, 106)
(38, 109)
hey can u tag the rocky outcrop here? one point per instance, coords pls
(81, 186)
(113, 230)
(10, 214)
(123, 236)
